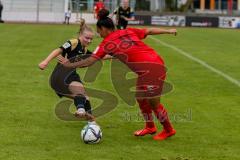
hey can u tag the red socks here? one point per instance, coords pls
(146, 112)
(161, 114)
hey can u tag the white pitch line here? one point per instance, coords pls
(224, 75)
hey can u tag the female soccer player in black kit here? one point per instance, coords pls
(72, 87)
(124, 14)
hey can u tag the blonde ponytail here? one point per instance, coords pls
(84, 27)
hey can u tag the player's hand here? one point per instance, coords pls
(64, 61)
(173, 31)
(43, 65)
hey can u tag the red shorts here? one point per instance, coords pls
(150, 82)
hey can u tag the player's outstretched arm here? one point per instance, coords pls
(154, 31)
(42, 65)
(80, 64)
(129, 19)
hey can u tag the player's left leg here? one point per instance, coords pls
(162, 115)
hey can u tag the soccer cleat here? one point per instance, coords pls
(81, 113)
(145, 131)
(164, 135)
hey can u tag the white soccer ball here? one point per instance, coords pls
(91, 133)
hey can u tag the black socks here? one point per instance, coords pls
(82, 102)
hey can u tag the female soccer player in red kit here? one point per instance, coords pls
(98, 6)
(126, 45)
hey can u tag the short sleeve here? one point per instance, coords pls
(66, 48)
(141, 33)
(99, 52)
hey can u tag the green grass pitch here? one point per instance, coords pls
(203, 106)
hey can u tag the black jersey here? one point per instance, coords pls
(73, 48)
(74, 51)
(61, 77)
(120, 12)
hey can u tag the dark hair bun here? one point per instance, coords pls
(103, 14)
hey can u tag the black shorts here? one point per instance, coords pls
(73, 77)
(61, 78)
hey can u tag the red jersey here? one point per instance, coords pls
(98, 7)
(126, 45)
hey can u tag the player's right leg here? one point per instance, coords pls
(147, 114)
